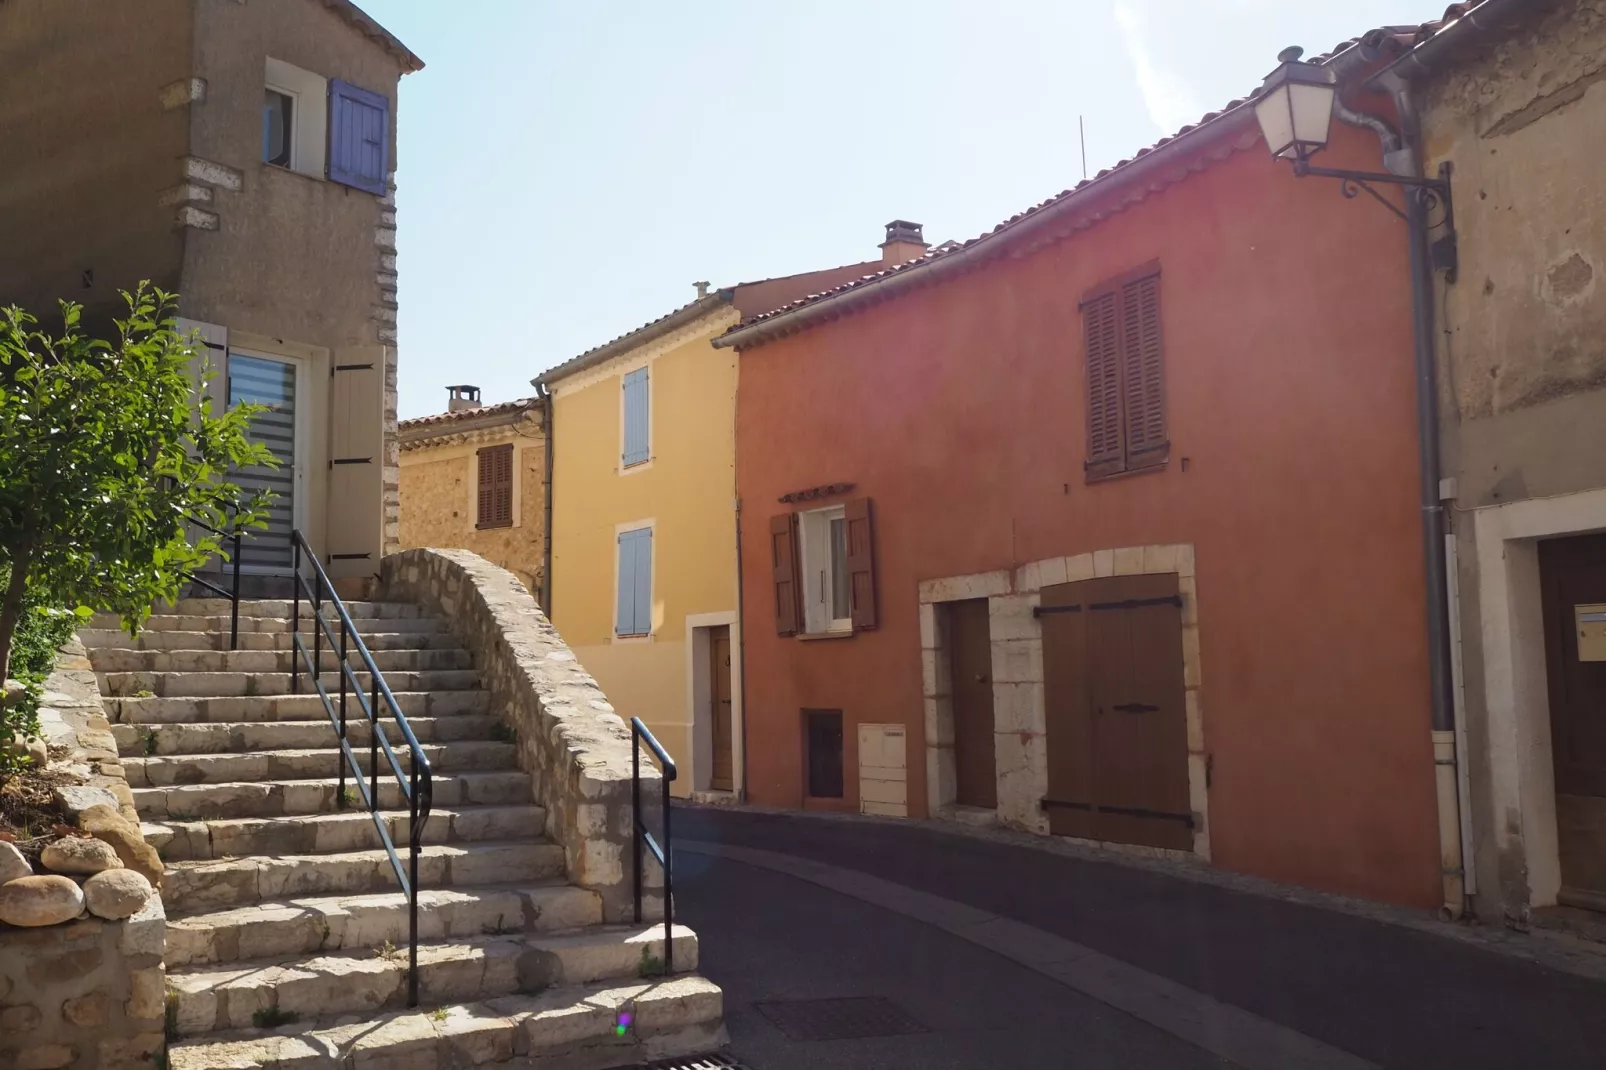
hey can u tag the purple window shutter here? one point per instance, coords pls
(359, 136)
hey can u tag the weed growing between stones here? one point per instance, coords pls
(272, 1018)
(650, 965)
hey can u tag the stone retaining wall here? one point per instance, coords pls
(572, 743)
(89, 994)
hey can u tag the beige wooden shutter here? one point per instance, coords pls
(210, 362)
(1143, 373)
(356, 461)
(1102, 343)
(783, 559)
(861, 562)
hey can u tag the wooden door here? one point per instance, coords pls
(719, 669)
(971, 675)
(1116, 720)
(1572, 577)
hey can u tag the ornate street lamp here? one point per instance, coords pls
(1295, 111)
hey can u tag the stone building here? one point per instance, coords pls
(1513, 96)
(475, 478)
(241, 155)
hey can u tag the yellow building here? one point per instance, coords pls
(474, 478)
(644, 514)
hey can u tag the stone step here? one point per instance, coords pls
(199, 802)
(221, 737)
(566, 1028)
(219, 624)
(152, 710)
(248, 684)
(211, 998)
(161, 772)
(347, 830)
(99, 638)
(192, 887)
(281, 607)
(346, 923)
(115, 659)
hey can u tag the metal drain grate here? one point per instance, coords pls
(839, 1019)
(701, 1062)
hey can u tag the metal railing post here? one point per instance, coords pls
(295, 618)
(635, 816)
(234, 612)
(414, 834)
(341, 758)
(373, 743)
(669, 887)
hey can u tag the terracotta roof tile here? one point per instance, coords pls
(1402, 37)
(467, 414)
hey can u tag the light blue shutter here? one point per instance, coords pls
(359, 136)
(643, 576)
(633, 615)
(635, 387)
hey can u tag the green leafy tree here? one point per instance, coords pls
(104, 453)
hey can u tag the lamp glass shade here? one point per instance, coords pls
(1295, 114)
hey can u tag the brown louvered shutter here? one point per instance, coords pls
(1143, 373)
(1102, 340)
(495, 499)
(861, 562)
(783, 559)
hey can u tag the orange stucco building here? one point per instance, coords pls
(1105, 524)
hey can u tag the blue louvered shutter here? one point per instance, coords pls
(634, 612)
(359, 136)
(643, 577)
(636, 417)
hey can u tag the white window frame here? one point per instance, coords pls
(814, 539)
(652, 586)
(309, 115)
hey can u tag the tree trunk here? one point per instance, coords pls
(11, 602)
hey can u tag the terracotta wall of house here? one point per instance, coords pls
(960, 411)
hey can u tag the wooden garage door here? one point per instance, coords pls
(1113, 697)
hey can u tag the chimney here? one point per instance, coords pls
(462, 397)
(905, 241)
(702, 289)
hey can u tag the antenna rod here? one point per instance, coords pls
(1081, 132)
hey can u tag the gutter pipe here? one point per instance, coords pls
(545, 397)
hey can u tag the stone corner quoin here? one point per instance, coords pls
(570, 740)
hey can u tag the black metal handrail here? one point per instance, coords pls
(663, 852)
(233, 593)
(418, 789)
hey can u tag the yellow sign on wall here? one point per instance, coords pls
(1591, 622)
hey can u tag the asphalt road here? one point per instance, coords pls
(1393, 996)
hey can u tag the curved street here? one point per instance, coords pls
(943, 949)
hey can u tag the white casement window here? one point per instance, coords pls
(827, 587)
(295, 118)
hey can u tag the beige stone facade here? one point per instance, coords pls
(1517, 111)
(440, 482)
(1020, 736)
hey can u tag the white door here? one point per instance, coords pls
(277, 383)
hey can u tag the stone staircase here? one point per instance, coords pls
(287, 931)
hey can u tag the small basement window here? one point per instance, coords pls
(823, 729)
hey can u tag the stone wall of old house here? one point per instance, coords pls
(1523, 345)
(576, 749)
(438, 484)
(89, 994)
(1522, 354)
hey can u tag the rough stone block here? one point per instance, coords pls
(1018, 661)
(1010, 617)
(90, 1011)
(1195, 719)
(1022, 780)
(1019, 708)
(1191, 671)
(928, 627)
(1079, 567)
(1103, 563)
(45, 1057)
(939, 720)
(1158, 559)
(1185, 559)
(1188, 590)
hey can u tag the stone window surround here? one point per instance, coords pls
(1018, 709)
(1522, 781)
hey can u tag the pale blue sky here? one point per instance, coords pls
(568, 170)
